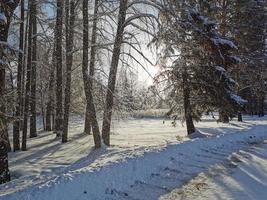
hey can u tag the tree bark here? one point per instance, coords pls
(33, 131)
(223, 116)
(69, 59)
(87, 127)
(4, 171)
(113, 73)
(86, 78)
(239, 117)
(87, 123)
(7, 9)
(187, 105)
(28, 81)
(59, 86)
(49, 106)
(260, 105)
(16, 125)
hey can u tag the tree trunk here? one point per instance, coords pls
(239, 117)
(59, 86)
(70, 19)
(24, 70)
(16, 126)
(49, 106)
(187, 106)
(86, 78)
(51, 100)
(260, 105)
(87, 123)
(33, 131)
(223, 116)
(28, 81)
(113, 73)
(4, 171)
(7, 8)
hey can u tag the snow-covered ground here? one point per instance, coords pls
(147, 159)
(245, 179)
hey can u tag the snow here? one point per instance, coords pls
(246, 179)
(220, 69)
(235, 59)
(3, 19)
(224, 42)
(143, 163)
(238, 99)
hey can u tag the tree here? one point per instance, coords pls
(33, 131)
(249, 30)
(7, 9)
(28, 79)
(50, 106)
(70, 19)
(87, 79)
(19, 103)
(113, 72)
(199, 58)
(58, 55)
(88, 124)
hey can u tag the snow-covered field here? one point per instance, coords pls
(147, 159)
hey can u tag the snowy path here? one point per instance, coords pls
(245, 179)
(149, 175)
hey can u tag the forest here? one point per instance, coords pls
(129, 74)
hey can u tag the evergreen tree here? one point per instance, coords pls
(196, 59)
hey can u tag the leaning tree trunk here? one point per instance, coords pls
(6, 9)
(70, 18)
(16, 126)
(33, 131)
(113, 73)
(87, 85)
(59, 86)
(87, 127)
(28, 81)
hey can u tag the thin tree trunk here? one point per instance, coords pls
(87, 127)
(86, 78)
(24, 70)
(260, 105)
(43, 117)
(28, 81)
(113, 73)
(51, 100)
(69, 59)
(33, 131)
(16, 126)
(87, 123)
(49, 106)
(239, 117)
(59, 86)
